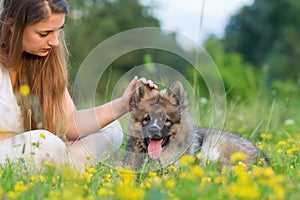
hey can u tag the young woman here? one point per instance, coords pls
(38, 124)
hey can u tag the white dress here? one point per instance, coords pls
(9, 109)
(88, 150)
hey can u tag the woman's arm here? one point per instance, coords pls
(84, 122)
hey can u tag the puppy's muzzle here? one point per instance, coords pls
(154, 132)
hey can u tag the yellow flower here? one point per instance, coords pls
(170, 183)
(205, 180)
(239, 169)
(152, 174)
(259, 146)
(263, 135)
(279, 192)
(261, 161)
(290, 140)
(108, 177)
(269, 172)
(146, 184)
(130, 193)
(128, 177)
(298, 174)
(187, 159)
(20, 187)
(32, 179)
(105, 192)
(67, 194)
(88, 176)
(292, 150)
(42, 178)
(90, 170)
(48, 164)
(184, 175)
(266, 136)
(238, 156)
(244, 191)
(218, 180)
(282, 143)
(172, 168)
(24, 90)
(279, 150)
(196, 171)
(1, 191)
(12, 195)
(42, 135)
(88, 157)
(53, 180)
(199, 156)
(53, 195)
(244, 178)
(207, 161)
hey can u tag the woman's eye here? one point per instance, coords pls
(43, 34)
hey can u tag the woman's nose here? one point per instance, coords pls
(54, 40)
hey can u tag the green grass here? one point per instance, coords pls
(189, 180)
(273, 124)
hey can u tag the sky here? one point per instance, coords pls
(184, 16)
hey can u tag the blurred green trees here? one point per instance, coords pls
(92, 21)
(260, 48)
(267, 34)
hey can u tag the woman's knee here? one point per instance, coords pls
(40, 145)
(48, 147)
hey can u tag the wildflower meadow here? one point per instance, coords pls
(189, 179)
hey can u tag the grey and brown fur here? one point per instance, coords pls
(164, 114)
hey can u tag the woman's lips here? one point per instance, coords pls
(46, 49)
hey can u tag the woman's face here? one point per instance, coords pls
(39, 38)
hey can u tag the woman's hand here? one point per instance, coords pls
(130, 89)
(149, 83)
(84, 122)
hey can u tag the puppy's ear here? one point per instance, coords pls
(141, 91)
(176, 91)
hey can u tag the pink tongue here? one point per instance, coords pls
(155, 149)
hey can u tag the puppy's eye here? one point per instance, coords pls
(146, 120)
(168, 122)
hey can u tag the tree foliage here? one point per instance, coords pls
(267, 33)
(92, 21)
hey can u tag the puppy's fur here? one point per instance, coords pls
(160, 129)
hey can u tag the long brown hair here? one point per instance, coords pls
(45, 76)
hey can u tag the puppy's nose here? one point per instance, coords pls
(154, 132)
(154, 129)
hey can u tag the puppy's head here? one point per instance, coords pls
(156, 116)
